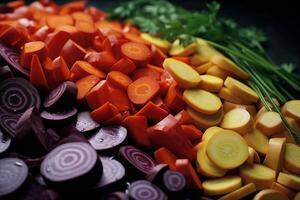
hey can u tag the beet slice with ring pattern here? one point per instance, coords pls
(173, 181)
(5, 142)
(145, 190)
(8, 123)
(59, 116)
(85, 123)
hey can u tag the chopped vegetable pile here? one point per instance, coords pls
(92, 107)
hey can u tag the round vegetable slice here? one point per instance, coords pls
(61, 96)
(257, 141)
(8, 123)
(202, 101)
(108, 138)
(136, 159)
(71, 164)
(269, 123)
(221, 186)
(238, 120)
(210, 132)
(144, 190)
(183, 74)
(260, 175)
(240, 193)
(270, 194)
(13, 174)
(289, 180)
(292, 109)
(275, 154)
(85, 123)
(178, 50)
(156, 173)
(164, 45)
(59, 116)
(282, 189)
(227, 95)
(137, 52)
(229, 106)
(17, 95)
(5, 141)
(291, 158)
(253, 156)
(227, 149)
(174, 181)
(211, 83)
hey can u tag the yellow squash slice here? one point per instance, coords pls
(217, 71)
(269, 123)
(204, 67)
(257, 141)
(211, 83)
(227, 95)
(289, 180)
(240, 193)
(292, 158)
(204, 51)
(282, 189)
(221, 186)
(253, 156)
(275, 154)
(163, 45)
(292, 109)
(210, 132)
(229, 106)
(178, 50)
(270, 194)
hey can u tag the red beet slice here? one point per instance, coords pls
(5, 141)
(5, 73)
(173, 181)
(156, 173)
(12, 57)
(61, 96)
(113, 173)
(85, 123)
(136, 159)
(116, 196)
(108, 138)
(145, 190)
(71, 165)
(13, 174)
(59, 116)
(8, 123)
(17, 95)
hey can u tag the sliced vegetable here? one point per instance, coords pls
(119, 98)
(230, 106)
(118, 79)
(240, 193)
(270, 194)
(71, 52)
(191, 132)
(210, 132)
(139, 53)
(291, 109)
(269, 123)
(183, 74)
(192, 179)
(31, 48)
(253, 157)
(55, 42)
(98, 95)
(174, 100)
(289, 180)
(124, 65)
(81, 69)
(262, 176)
(85, 123)
(163, 155)
(291, 158)
(214, 70)
(211, 83)
(104, 112)
(257, 141)
(178, 50)
(204, 67)
(152, 112)
(222, 186)
(163, 45)
(275, 154)
(84, 85)
(61, 70)
(284, 190)
(227, 95)
(102, 60)
(37, 75)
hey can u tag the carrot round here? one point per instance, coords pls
(41, 33)
(152, 112)
(84, 85)
(72, 52)
(81, 16)
(138, 53)
(55, 42)
(146, 71)
(135, 38)
(98, 95)
(37, 75)
(118, 98)
(104, 112)
(88, 32)
(54, 21)
(163, 155)
(142, 90)
(102, 60)
(81, 69)
(115, 25)
(118, 79)
(30, 49)
(192, 179)
(124, 65)
(73, 32)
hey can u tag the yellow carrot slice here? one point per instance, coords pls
(221, 186)
(228, 65)
(292, 109)
(178, 50)
(269, 123)
(240, 193)
(284, 134)
(227, 149)
(253, 156)
(270, 194)
(229, 106)
(289, 180)
(227, 95)
(204, 51)
(292, 158)
(204, 67)
(241, 89)
(163, 45)
(204, 121)
(275, 154)
(202, 101)
(210, 132)
(262, 176)
(282, 189)
(238, 120)
(257, 141)
(260, 103)
(211, 83)
(183, 74)
(217, 71)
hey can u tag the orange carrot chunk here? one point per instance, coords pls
(139, 53)
(183, 118)
(84, 85)
(146, 71)
(174, 99)
(142, 90)
(50, 72)
(118, 98)
(157, 57)
(115, 120)
(104, 112)
(191, 132)
(88, 32)
(137, 129)
(29, 50)
(72, 52)
(81, 69)
(55, 42)
(102, 60)
(37, 76)
(124, 65)
(54, 21)
(192, 179)
(74, 33)
(81, 16)
(152, 112)
(118, 79)
(61, 69)
(163, 155)
(98, 95)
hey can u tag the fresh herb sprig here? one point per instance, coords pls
(243, 45)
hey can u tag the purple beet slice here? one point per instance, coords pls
(52, 139)
(136, 159)
(113, 173)
(70, 134)
(12, 57)
(71, 165)
(116, 196)
(17, 95)
(156, 173)
(5, 73)
(8, 123)
(108, 137)
(5, 141)
(173, 181)
(59, 116)
(85, 123)
(61, 96)
(13, 174)
(145, 190)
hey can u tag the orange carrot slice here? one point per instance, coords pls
(72, 52)
(191, 132)
(81, 16)
(54, 21)
(37, 76)
(152, 112)
(142, 90)
(29, 50)
(118, 98)
(124, 65)
(61, 70)
(163, 155)
(104, 112)
(55, 42)
(88, 32)
(192, 179)
(98, 95)
(118, 79)
(157, 57)
(102, 60)
(81, 69)
(147, 71)
(84, 85)
(174, 99)
(139, 53)
(74, 33)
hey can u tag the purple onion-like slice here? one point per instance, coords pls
(108, 137)
(174, 181)
(12, 57)
(5, 73)
(145, 190)
(116, 196)
(113, 173)
(17, 95)
(136, 159)
(59, 116)
(85, 123)
(61, 96)
(71, 165)
(13, 174)
(156, 173)
(8, 123)
(5, 141)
